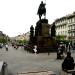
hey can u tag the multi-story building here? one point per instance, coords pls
(66, 26)
(23, 37)
(61, 27)
(27, 36)
(71, 26)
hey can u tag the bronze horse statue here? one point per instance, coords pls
(41, 10)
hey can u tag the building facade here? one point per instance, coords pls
(23, 36)
(65, 26)
(71, 26)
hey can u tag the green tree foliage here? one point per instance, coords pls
(60, 37)
(3, 40)
(21, 42)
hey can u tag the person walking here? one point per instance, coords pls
(35, 49)
(69, 47)
(6, 46)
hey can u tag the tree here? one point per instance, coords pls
(3, 40)
(60, 37)
(21, 42)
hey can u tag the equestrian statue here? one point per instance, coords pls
(41, 10)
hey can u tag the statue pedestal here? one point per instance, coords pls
(44, 42)
(42, 38)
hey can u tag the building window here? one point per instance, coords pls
(69, 34)
(72, 19)
(69, 20)
(73, 34)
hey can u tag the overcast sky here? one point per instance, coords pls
(16, 16)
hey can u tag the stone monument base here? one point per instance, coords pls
(42, 38)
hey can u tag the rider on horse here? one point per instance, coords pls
(41, 10)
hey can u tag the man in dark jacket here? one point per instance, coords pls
(68, 63)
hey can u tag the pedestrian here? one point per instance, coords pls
(69, 47)
(6, 46)
(62, 49)
(68, 63)
(35, 49)
(60, 52)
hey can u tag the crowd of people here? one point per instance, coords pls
(6, 46)
(63, 48)
(68, 63)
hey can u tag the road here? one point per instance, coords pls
(21, 61)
